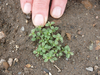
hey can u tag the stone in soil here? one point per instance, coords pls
(10, 60)
(96, 67)
(2, 35)
(89, 69)
(87, 4)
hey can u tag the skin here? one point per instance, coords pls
(40, 9)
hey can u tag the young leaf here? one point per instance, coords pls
(52, 23)
(33, 39)
(68, 56)
(34, 51)
(45, 60)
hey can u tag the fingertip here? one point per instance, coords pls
(27, 8)
(39, 20)
(56, 12)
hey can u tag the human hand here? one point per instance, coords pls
(40, 9)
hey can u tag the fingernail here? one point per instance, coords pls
(57, 12)
(27, 8)
(38, 20)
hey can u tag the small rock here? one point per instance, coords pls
(96, 67)
(10, 60)
(63, 33)
(46, 70)
(15, 60)
(89, 69)
(87, 4)
(94, 25)
(69, 36)
(97, 17)
(28, 17)
(1, 61)
(98, 72)
(96, 58)
(28, 65)
(22, 29)
(19, 73)
(91, 46)
(2, 35)
(46, 74)
(17, 47)
(67, 59)
(6, 3)
(79, 32)
(32, 66)
(5, 65)
(97, 45)
(26, 21)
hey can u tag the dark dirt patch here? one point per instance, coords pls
(76, 17)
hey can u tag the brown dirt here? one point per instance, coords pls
(76, 18)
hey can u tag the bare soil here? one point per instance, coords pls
(76, 18)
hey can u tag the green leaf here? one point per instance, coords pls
(56, 28)
(38, 33)
(30, 34)
(33, 30)
(59, 47)
(37, 55)
(34, 51)
(33, 39)
(45, 60)
(52, 23)
(43, 43)
(68, 56)
(56, 42)
(67, 48)
(34, 35)
(60, 54)
(61, 39)
(52, 27)
(71, 53)
(54, 58)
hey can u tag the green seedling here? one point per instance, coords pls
(49, 43)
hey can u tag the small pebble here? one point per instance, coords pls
(2, 35)
(19, 73)
(28, 17)
(2, 60)
(5, 65)
(28, 65)
(15, 60)
(87, 4)
(26, 21)
(46, 70)
(67, 59)
(17, 47)
(96, 67)
(10, 60)
(97, 17)
(91, 46)
(6, 3)
(89, 69)
(22, 29)
(96, 58)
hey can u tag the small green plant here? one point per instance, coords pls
(48, 43)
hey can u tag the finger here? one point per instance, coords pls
(57, 8)
(40, 11)
(26, 6)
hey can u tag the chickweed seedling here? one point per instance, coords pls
(49, 43)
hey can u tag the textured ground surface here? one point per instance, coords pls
(76, 18)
